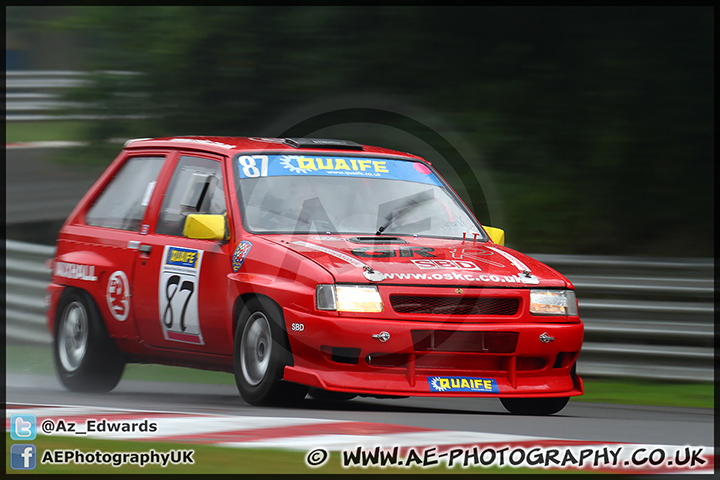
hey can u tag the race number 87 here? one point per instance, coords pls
(171, 288)
(249, 165)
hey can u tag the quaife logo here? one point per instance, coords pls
(23, 427)
(462, 384)
(23, 457)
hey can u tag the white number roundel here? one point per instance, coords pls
(118, 295)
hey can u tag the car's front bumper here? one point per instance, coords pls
(349, 355)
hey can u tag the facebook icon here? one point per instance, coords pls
(22, 456)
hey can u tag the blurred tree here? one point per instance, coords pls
(597, 121)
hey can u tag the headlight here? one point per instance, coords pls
(553, 302)
(348, 298)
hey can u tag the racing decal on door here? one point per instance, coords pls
(178, 294)
(75, 271)
(238, 257)
(118, 295)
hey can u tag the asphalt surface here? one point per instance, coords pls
(578, 421)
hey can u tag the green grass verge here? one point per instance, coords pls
(209, 459)
(38, 361)
(44, 131)
(648, 392)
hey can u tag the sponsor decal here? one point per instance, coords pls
(475, 254)
(337, 164)
(181, 257)
(525, 276)
(428, 264)
(203, 142)
(387, 252)
(75, 271)
(462, 384)
(118, 295)
(238, 257)
(370, 274)
(347, 258)
(178, 294)
(148, 194)
(327, 238)
(254, 166)
(457, 275)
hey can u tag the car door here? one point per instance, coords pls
(107, 237)
(180, 283)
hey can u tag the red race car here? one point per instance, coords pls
(304, 264)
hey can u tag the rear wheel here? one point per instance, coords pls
(86, 358)
(260, 355)
(534, 406)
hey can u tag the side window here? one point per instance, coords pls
(196, 187)
(123, 202)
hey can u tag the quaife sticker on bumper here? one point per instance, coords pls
(462, 384)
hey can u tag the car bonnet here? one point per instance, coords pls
(422, 261)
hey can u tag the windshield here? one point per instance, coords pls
(347, 195)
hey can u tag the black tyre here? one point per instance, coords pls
(86, 358)
(260, 355)
(534, 406)
(326, 395)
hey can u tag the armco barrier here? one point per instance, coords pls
(644, 318)
(32, 95)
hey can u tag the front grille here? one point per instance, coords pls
(443, 305)
(458, 341)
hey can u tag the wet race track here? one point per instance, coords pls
(217, 414)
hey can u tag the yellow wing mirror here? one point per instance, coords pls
(497, 235)
(205, 227)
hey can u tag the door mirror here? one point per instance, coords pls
(497, 235)
(205, 227)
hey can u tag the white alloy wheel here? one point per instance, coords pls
(256, 348)
(73, 336)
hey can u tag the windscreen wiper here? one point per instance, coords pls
(397, 208)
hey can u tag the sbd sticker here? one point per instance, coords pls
(462, 384)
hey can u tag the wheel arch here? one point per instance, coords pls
(101, 364)
(244, 298)
(68, 290)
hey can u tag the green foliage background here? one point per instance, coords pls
(594, 123)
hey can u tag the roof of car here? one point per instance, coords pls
(232, 145)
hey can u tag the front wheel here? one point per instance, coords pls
(260, 355)
(534, 406)
(86, 359)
